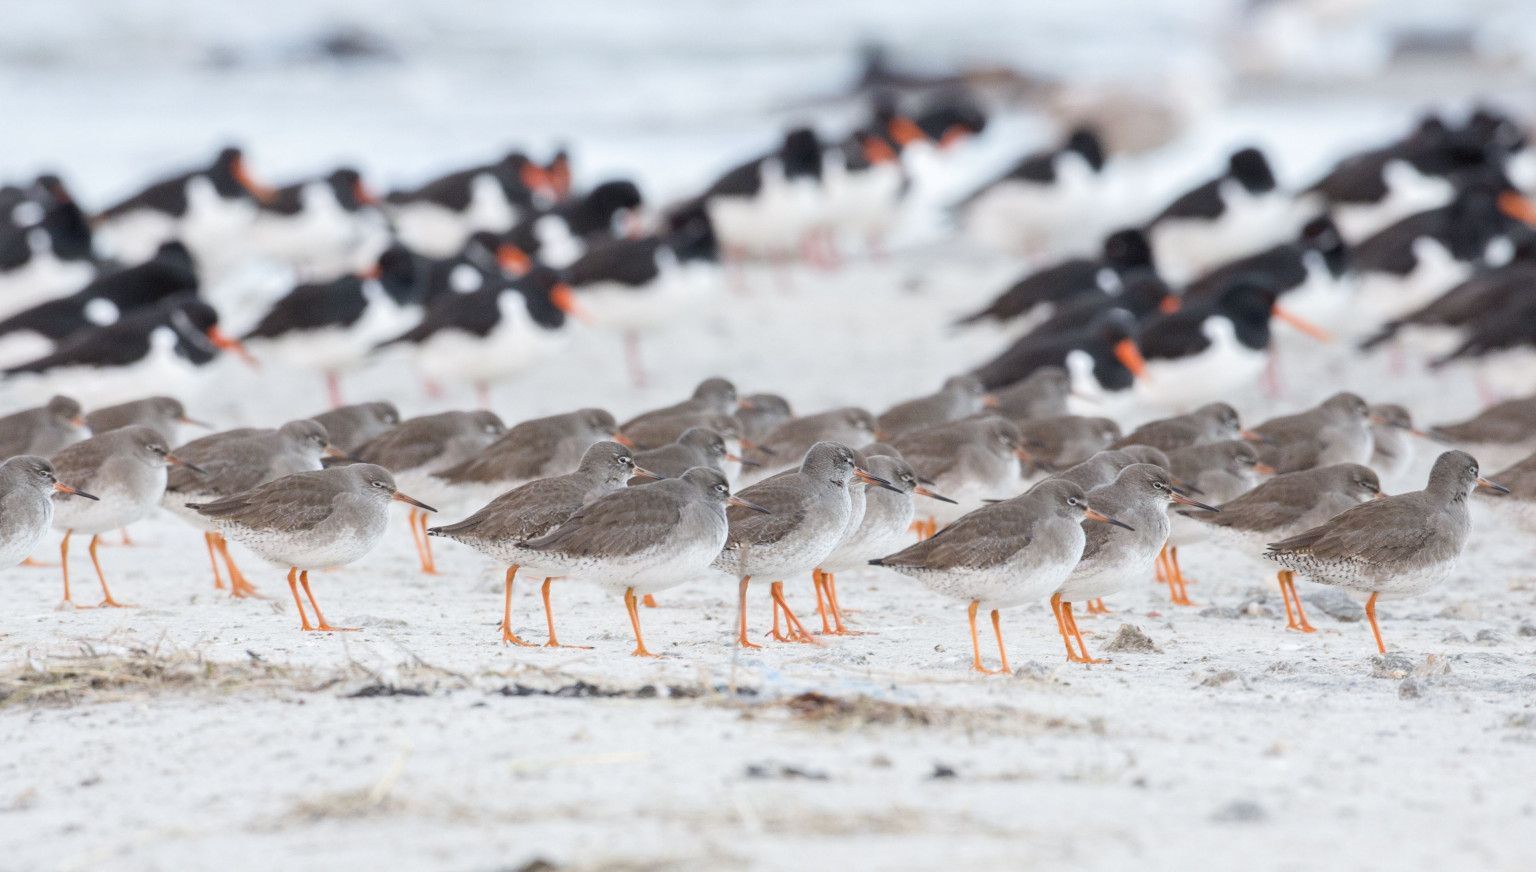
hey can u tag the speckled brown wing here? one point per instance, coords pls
(929, 451)
(1520, 479)
(520, 453)
(79, 463)
(414, 443)
(1373, 533)
(1270, 506)
(626, 522)
(523, 513)
(983, 538)
(1509, 421)
(1169, 435)
(230, 463)
(16, 430)
(293, 502)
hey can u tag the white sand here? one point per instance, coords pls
(1239, 736)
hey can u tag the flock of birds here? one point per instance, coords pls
(990, 490)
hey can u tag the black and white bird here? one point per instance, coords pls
(494, 333)
(560, 235)
(1036, 296)
(45, 244)
(323, 228)
(162, 347)
(437, 218)
(1101, 358)
(766, 207)
(1308, 273)
(33, 332)
(211, 209)
(1051, 200)
(1237, 213)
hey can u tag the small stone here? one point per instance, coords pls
(1466, 610)
(1394, 666)
(1521, 721)
(1489, 637)
(1336, 604)
(1241, 811)
(940, 770)
(1455, 637)
(1221, 678)
(1527, 629)
(1034, 670)
(1226, 612)
(1131, 639)
(1409, 689)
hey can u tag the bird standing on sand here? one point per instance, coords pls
(535, 509)
(125, 468)
(643, 539)
(1003, 555)
(425, 445)
(969, 461)
(1337, 430)
(27, 486)
(1112, 559)
(1398, 546)
(234, 462)
(311, 520)
(800, 518)
(1284, 506)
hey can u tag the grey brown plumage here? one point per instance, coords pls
(163, 414)
(1213, 422)
(350, 427)
(713, 395)
(43, 430)
(960, 397)
(1337, 430)
(1041, 394)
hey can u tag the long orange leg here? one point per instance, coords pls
(1162, 565)
(213, 560)
(1370, 612)
(1097, 607)
(428, 565)
(741, 609)
(106, 595)
(648, 601)
(1173, 554)
(320, 622)
(66, 602)
(549, 618)
(1178, 594)
(293, 585)
(1061, 627)
(506, 614)
(970, 614)
(1066, 611)
(1300, 623)
(997, 630)
(127, 540)
(410, 521)
(239, 586)
(819, 581)
(795, 630)
(829, 582)
(631, 603)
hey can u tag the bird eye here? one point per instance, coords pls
(719, 488)
(1158, 485)
(378, 484)
(626, 461)
(1071, 501)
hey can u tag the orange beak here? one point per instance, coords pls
(371, 272)
(1302, 324)
(514, 260)
(989, 401)
(1169, 304)
(259, 191)
(905, 131)
(535, 179)
(77, 421)
(559, 173)
(224, 342)
(565, 300)
(1517, 207)
(877, 151)
(1263, 469)
(1130, 357)
(361, 193)
(624, 440)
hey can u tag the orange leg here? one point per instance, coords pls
(796, 630)
(127, 540)
(741, 607)
(1097, 607)
(549, 618)
(428, 565)
(106, 595)
(239, 587)
(320, 622)
(829, 582)
(506, 614)
(213, 560)
(1370, 612)
(1066, 611)
(1173, 554)
(648, 601)
(67, 603)
(819, 581)
(970, 614)
(997, 630)
(410, 520)
(1300, 623)
(293, 586)
(634, 618)
(1162, 565)
(1177, 594)
(1061, 627)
